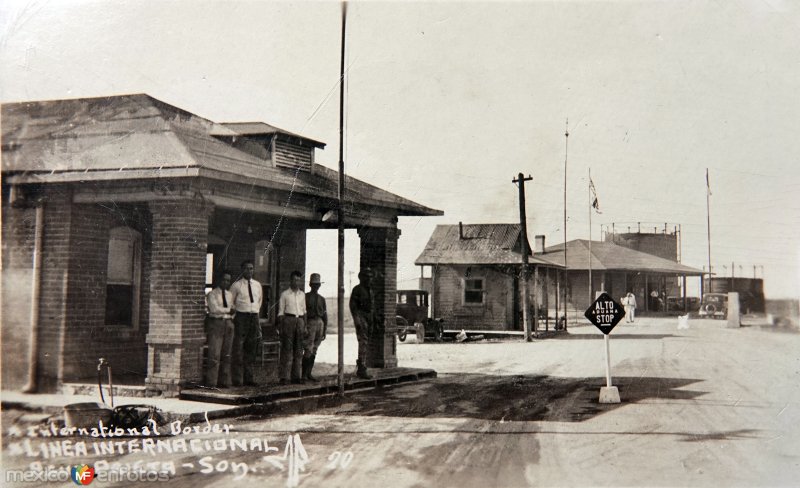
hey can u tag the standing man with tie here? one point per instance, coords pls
(219, 334)
(316, 324)
(246, 296)
(291, 315)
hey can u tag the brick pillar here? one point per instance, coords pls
(177, 302)
(53, 288)
(379, 252)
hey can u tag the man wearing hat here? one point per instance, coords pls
(316, 325)
(361, 307)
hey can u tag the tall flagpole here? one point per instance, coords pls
(566, 268)
(708, 220)
(340, 215)
(591, 297)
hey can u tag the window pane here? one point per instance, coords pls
(473, 290)
(209, 268)
(473, 297)
(120, 261)
(473, 284)
(119, 304)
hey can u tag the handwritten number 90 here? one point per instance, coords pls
(339, 460)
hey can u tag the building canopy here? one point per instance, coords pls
(607, 256)
(139, 137)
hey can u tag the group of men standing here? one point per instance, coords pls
(233, 330)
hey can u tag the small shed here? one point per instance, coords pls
(475, 281)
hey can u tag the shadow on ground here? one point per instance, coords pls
(509, 398)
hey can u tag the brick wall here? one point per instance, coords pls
(86, 290)
(87, 336)
(292, 256)
(495, 313)
(53, 286)
(379, 253)
(177, 300)
(18, 241)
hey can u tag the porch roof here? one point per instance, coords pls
(136, 136)
(477, 244)
(612, 257)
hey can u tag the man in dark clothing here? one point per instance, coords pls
(316, 325)
(362, 307)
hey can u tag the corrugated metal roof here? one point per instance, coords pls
(479, 244)
(85, 139)
(610, 256)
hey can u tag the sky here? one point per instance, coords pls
(448, 101)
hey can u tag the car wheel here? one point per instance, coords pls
(439, 332)
(402, 328)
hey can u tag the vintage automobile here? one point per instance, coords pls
(714, 305)
(412, 316)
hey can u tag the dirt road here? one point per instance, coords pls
(707, 406)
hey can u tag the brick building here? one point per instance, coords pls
(475, 278)
(119, 211)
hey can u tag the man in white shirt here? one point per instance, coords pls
(219, 334)
(246, 296)
(630, 306)
(291, 323)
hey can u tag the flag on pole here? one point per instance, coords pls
(595, 203)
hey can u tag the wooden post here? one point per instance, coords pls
(536, 297)
(683, 286)
(547, 299)
(520, 180)
(340, 215)
(558, 296)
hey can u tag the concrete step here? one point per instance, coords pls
(327, 385)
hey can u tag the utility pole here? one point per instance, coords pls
(340, 217)
(566, 266)
(708, 222)
(520, 181)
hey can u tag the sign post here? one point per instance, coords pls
(605, 313)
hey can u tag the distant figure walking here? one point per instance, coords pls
(630, 307)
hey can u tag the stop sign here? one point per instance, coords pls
(605, 313)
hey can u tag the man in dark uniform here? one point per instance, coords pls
(362, 307)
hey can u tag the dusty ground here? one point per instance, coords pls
(707, 406)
